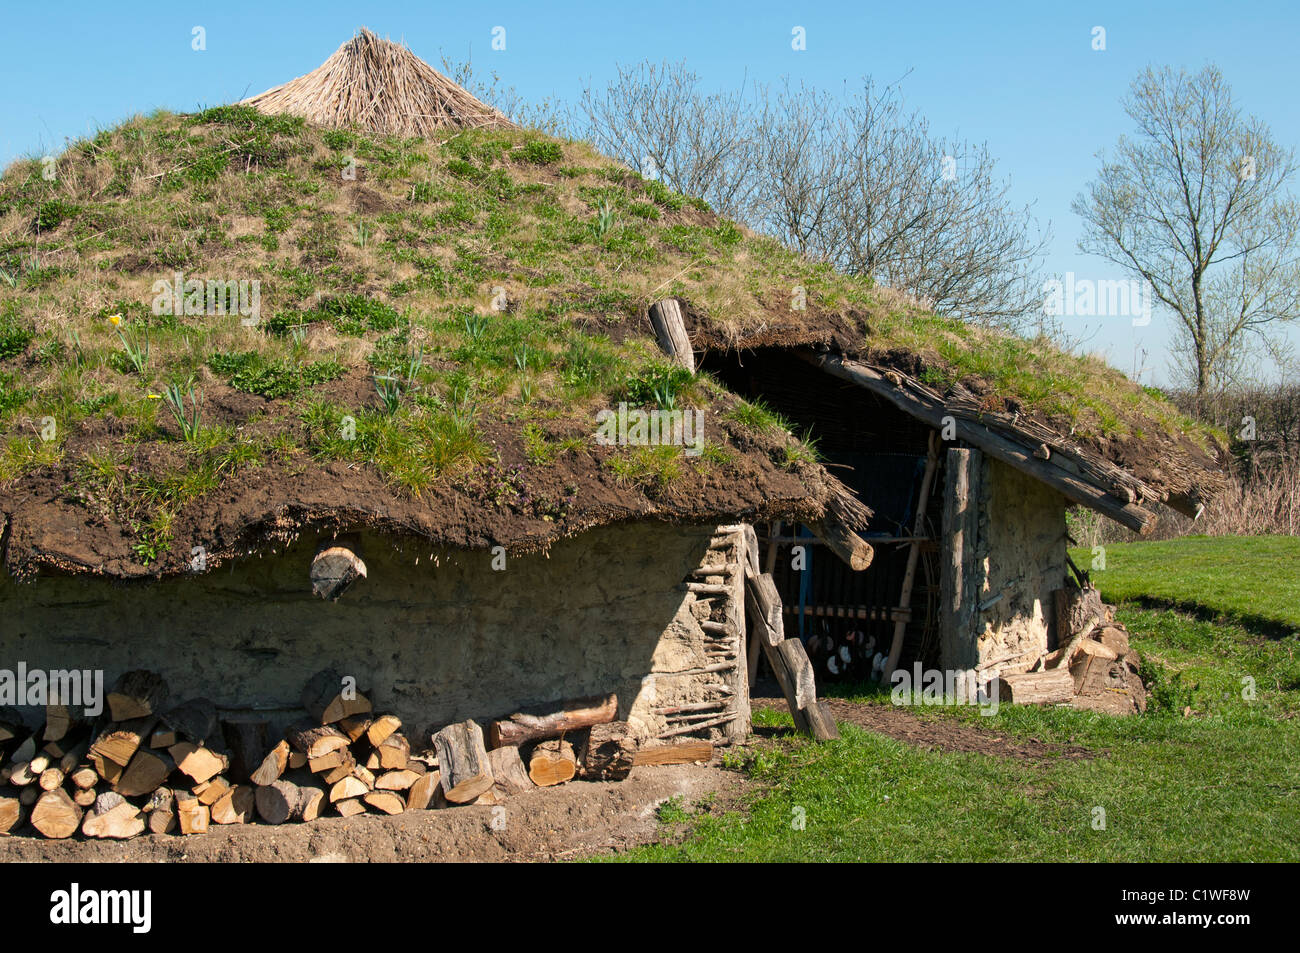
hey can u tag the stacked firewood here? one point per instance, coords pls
(147, 766)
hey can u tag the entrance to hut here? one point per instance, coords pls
(848, 620)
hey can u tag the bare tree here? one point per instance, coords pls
(855, 180)
(549, 116)
(657, 119)
(1195, 203)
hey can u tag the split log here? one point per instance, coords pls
(163, 738)
(316, 741)
(148, 769)
(192, 720)
(162, 811)
(552, 721)
(385, 801)
(381, 728)
(350, 807)
(346, 767)
(463, 762)
(119, 743)
(334, 569)
(192, 815)
(508, 770)
(349, 787)
(119, 822)
(58, 722)
(398, 780)
(425, 793)
(334, 759)
(683, 752)
(394, 752)
(273, 765)
(108, 770)
(608, 752)
(137, 694)
(1037, 688)
(328, 700)
(213, 791)
(282, 801)
(246, 739)
(354, 726)
(56, 815)
(297, 760)
(12, 813)
(235, 806)
(197, 762)
(670, 331)
(552, 762)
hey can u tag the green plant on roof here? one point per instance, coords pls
(137, 354)
(604, 219)
(188, 420)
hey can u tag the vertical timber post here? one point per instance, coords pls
(958, 578)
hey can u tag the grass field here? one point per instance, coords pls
(1221, 783)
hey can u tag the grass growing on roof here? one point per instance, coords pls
(518, 260)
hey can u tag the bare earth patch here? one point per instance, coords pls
(931, 734)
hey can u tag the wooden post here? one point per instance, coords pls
(670, 330)
(737, 730)
(913, 554)
(843, 542)
(958, 586)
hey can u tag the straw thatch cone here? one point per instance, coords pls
(381, 86)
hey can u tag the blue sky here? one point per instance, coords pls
(1021, 76)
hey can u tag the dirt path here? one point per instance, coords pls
(931, 734)
(561, 823)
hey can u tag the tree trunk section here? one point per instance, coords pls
(462, 762)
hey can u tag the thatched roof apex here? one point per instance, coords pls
(380, 86)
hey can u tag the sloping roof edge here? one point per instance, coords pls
(1035, 451)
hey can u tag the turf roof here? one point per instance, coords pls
(439, 322)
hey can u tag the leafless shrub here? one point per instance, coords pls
(854, 179)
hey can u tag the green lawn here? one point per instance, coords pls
(1220, 784)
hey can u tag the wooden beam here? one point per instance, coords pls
(843, 542)
(913, 554)
(670, 330)
(1073, 486)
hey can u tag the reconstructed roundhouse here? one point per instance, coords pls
(572, 432)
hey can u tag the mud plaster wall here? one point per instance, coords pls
(1020, 554)
(432, 641)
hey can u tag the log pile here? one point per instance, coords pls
(1094, 667)
(183, 768)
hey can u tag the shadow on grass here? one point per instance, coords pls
(1259, 625)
